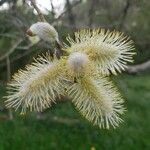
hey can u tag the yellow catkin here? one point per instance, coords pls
(97, 100)
(36, 87)
(110, 51)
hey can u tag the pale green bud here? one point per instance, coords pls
(44, 31)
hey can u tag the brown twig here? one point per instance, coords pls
(28, 49)
(53, 9)
(125, 13)
(65, 11)
(41, 16)
(136, 69)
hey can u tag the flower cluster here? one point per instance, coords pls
(82, 75)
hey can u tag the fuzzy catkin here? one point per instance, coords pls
(44, 31)
(81, 75)
(109, 51)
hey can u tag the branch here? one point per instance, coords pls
(125, 12)
(25, 47)
(57, 119)
(27, 52)
(12, 49)
(7, 35)
(91, 12)
(41, 17)
(139, 68)
(65, 11)
(53, 9)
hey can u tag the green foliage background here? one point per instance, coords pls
(28, 133)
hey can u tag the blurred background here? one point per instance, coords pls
(61, 127)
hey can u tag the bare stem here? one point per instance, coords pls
(41, 17)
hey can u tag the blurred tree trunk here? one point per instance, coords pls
(91, 12)
(124, 13)
(71, 16)
(8, 79)
(6, 57)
